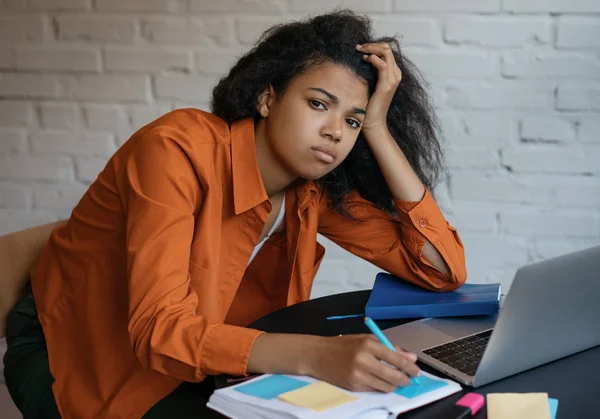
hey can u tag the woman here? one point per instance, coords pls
(201, 223)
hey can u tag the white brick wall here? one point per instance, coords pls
(516, 84)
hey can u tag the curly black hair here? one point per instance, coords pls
(285, 51)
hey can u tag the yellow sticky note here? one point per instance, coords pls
(518, 406)
(318, 396)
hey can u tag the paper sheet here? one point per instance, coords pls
(318, 396)
(271, 386)
(425, 385)
(518, 406)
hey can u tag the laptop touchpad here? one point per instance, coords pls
(458, 327)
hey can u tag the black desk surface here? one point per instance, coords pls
(574, 380)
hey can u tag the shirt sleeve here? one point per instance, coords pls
(395, 243)
(161, 192)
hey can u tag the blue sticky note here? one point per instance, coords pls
(425, 385)
(271, 387)
(553, 407)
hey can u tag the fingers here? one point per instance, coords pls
(381, 49)
(403, 361)
(381, 55)
(410, 355)
(378, 384)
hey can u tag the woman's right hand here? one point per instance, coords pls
(354, 362)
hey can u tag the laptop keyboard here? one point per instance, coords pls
(463, 354)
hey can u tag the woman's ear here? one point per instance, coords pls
(265, 101)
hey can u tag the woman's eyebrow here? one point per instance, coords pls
(335, 99)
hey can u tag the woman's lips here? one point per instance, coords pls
(324, 153)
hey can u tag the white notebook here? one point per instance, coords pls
(287, 396)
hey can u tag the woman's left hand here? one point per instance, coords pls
(389, 77)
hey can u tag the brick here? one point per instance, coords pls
(527, 65)
(122, 29)
(16, 219)
(106, 117)
(249, 29)
(14, 196)
(76, 143)
(472, 158)
(167, 6)
(461, 65)
(578, 195)
(147, 59)
(361, 275)
(537, 158)
(49, 5)
(567, 191)
(501, 95)
(110, 88)
(497, 188)
(314, 6)
(536, 222)
(192, 88)
(22, 167)
(578, 32)
(17, 114)
(7, 58)
(589, 129)
(88, 168)
(578, 97)
(216, 62)
(61, 58)
(30, 85)
(477, 128)
(18, 28)
(191, 31)
(486, 128)
(498, 31)
(547, 128)
(475, 217)
(410, 31)
(550, 247)
(61, 196)
(447, 6)
(494, 252)
(331, 278)
(240, 6)
(144, 114)
(12, 140)
(60, 115)
(551, 6)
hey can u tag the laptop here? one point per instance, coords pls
(552, 310)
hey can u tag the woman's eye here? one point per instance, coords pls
(316, 104)
(353, 123)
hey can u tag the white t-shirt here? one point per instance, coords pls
(275, 226)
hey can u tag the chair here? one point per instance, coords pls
(18, 253)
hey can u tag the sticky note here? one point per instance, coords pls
(271, 387)
(425, 385)
(318, 396)
(553, 404)
(518, 406)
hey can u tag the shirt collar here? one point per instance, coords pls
(248, 186)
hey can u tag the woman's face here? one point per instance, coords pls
(312, 127)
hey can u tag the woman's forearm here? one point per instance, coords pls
(282, 353)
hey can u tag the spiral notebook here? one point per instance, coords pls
(299, 397)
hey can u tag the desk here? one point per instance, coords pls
(574, 381)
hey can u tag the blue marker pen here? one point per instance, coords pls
(379, 335)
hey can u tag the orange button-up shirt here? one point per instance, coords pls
(147, 286)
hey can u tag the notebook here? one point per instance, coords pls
(273, 396)
(394, 298)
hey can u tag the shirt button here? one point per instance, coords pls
(422, 223)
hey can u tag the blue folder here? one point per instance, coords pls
(394, 298)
